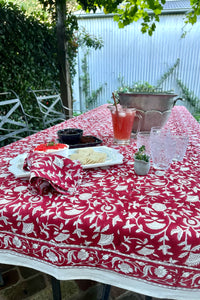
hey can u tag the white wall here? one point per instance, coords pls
(139, 57)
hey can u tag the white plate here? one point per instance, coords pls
(113, 158)
(16, 166)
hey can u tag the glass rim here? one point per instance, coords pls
(113, 107)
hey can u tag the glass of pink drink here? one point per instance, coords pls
(122, 120)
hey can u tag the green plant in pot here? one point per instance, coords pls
(152, 104)
(141, 162)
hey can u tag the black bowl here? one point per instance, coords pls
(70, 135)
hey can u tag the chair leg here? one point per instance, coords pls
(55, 283)
(148, 298)
(106, 292)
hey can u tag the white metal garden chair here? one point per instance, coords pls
(50, 105)
(13, 119)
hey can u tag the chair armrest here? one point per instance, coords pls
(66, 108)
(32, 117)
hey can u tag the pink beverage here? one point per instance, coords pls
(122, 120)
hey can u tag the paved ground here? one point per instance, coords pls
(21, 283)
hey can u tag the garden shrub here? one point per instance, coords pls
(27, 54)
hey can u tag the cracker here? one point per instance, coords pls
(88, 156)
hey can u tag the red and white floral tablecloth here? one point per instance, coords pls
(140, 233)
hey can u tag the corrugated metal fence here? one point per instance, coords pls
(129, 54)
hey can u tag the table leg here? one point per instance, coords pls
(106, 292)
(55, 283)
(1, 280)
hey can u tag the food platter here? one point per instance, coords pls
(113, 157)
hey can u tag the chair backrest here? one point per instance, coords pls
(50, 105)
(13, 119)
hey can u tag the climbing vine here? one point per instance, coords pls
(191, 98)
(90, 97)
(87, 41)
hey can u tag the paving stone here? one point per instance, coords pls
(35, 284)
(116, 292)
(4, 268)
(93, 293)
(45, 294)
(85, 284)
(10, 278)
(25, 288)
(69, 288)
(27, 272)
(24, 283)
(130, 296)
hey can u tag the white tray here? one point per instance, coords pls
(113, 158)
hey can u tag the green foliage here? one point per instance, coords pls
(27, 51)
(191, 16)
(137, 87)
(86, 41)
(168, 73)
(29, 54)
(189, 96)
(71, 26)
(145, 87)
(90, 97)
(85, 77)
(196, 115)
(141, 155)
(128, 11)
(140, 87)
(30, 7)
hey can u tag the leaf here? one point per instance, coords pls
(62, 237)
(116, 18)
(106, 239)
(73, 212)
(183, 254)
(120, 24)
(115, 220)
(127, 247)
(91, 216)
(105, 228)
(157, 11)
(37, 208)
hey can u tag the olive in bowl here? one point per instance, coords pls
(70, 136)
